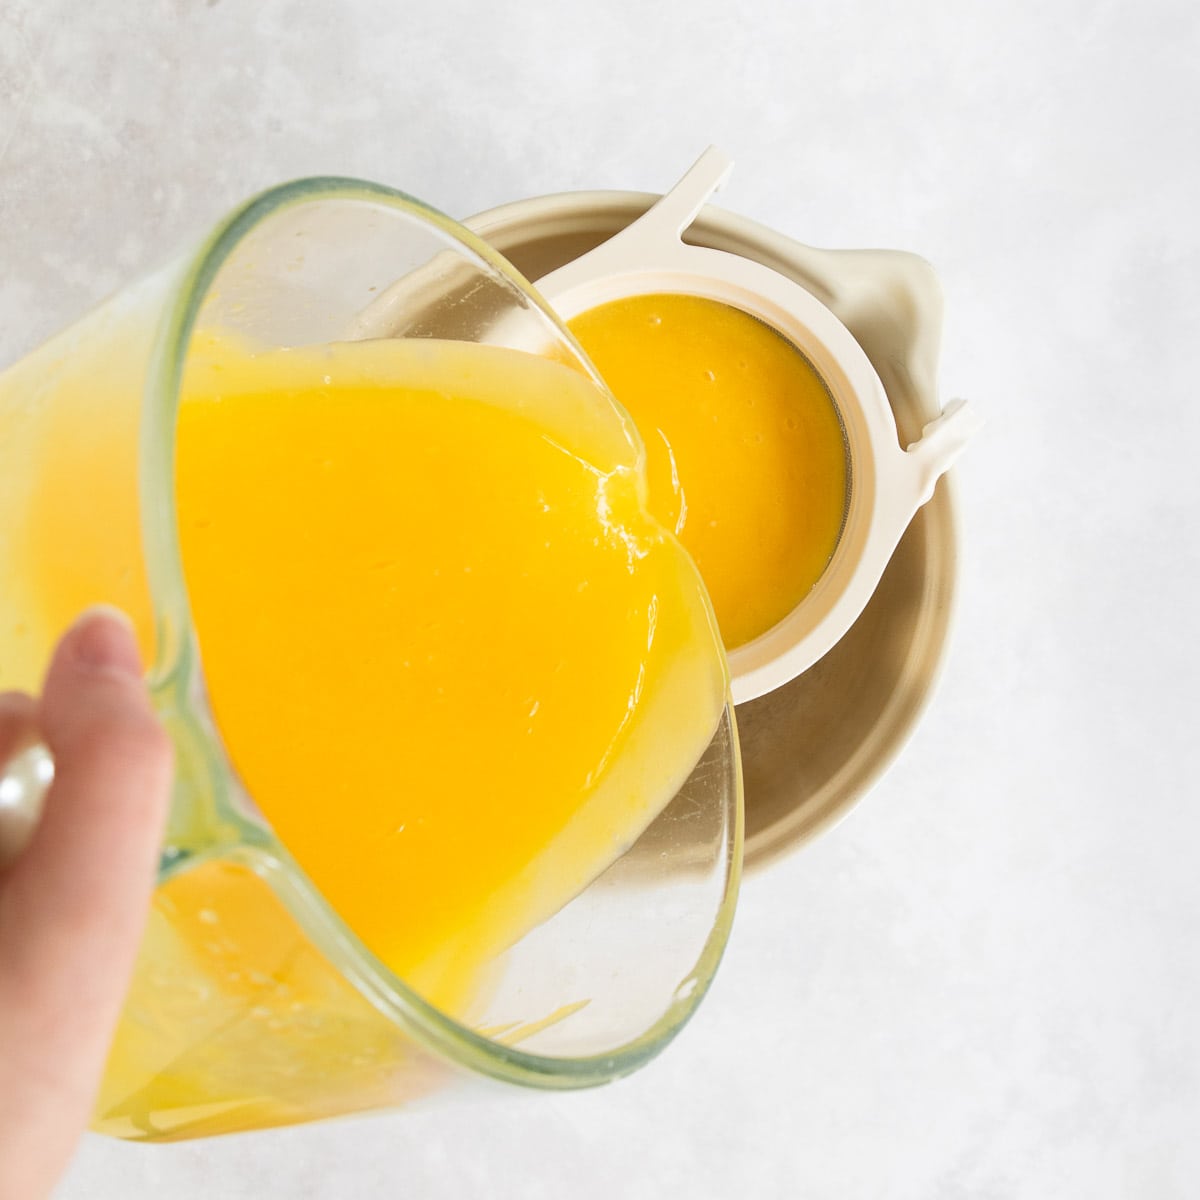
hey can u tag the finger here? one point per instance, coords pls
(73, 905)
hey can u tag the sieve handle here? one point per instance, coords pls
(940, 443)
(669, 216)
(653, 241)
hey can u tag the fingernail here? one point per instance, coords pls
(102, 638)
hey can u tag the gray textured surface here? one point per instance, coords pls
(984, 984)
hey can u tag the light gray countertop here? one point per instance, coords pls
(985, 983)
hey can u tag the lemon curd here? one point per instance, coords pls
(452, 657)
(746, 453)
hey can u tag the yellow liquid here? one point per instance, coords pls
(337, 498)
(452, 658)
(746, 454)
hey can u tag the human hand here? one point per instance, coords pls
(73, 903)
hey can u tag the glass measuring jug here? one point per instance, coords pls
(253, 1003)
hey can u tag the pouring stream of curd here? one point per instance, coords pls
(746, 453)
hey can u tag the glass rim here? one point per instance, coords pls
(175, 672)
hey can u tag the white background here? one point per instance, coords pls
(986, 982)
